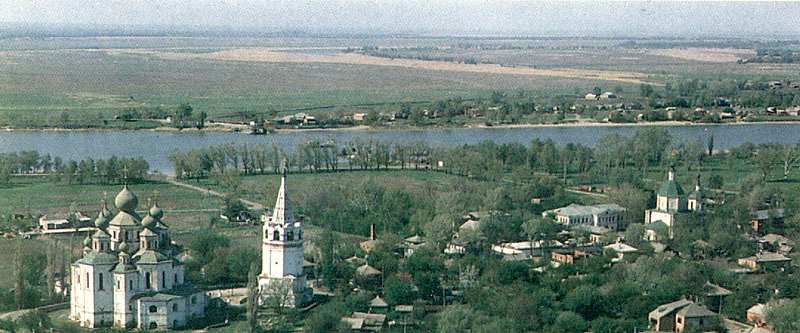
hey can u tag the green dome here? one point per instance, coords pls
(105, 211)
(123, 247)
(101, 221)
(148, 221)
(156, 212)
(126, 201)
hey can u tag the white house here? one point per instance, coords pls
(610, 216)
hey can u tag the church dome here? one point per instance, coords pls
(123, 247)
(87, 242)
(101, 221)
(148, 221)
(156, 212)
(126, 201)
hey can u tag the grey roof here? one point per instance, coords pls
(775, 238)
(365, 269)
(416, 239)
(125, 219)
(711, 289)
(666, 309)
(150, 257)
(694, 311)
(121, 268)
(378, 302)
(764, 214)
(100, 234)
(578, 210)
(98, 258)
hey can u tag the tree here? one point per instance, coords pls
(325, 321)
(569, 322)
(791, 155)
(646, 90)
(278, 294)
(252, 298)
(768, 156)
(711, 145)
(456, 319)
(584, 300)
(398, 291)
(785, 317)
(35, 321)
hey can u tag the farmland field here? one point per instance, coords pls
(50, 82)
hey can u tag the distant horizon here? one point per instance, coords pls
(73, 30)
(475, 18)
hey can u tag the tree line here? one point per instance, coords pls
(110, 170)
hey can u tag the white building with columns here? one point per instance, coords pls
(282, 273)
(129, 275)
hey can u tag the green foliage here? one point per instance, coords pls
(398, 291)
(325, 320)
(785, 318)
(569, 322)
(35, 321)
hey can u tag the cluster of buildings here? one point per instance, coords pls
(131, 273)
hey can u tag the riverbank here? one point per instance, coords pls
(245, 130)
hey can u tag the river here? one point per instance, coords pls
(155, 146)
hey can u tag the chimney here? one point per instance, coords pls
(372, 232)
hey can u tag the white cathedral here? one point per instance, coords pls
(282, 255)
(129, 275)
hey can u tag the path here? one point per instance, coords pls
(251, 204)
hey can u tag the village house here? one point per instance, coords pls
(622, 252)
(680, 316)
(777, 243)
(611, 216)
(64, 221)
(596, 235)
(765, 219)
(571, 256)
(757, 314)
(766, 261)
(413, 243)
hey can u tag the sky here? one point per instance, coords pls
(467, 17)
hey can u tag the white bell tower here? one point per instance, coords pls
(282, 250)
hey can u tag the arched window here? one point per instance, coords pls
(300, 235)
(130, 285)
(175, 307)
(290, 236)
(276, 235)
(147, 280)
(87, 280)
(163, 279)
(153, 309)
(176, 278)
(153, 325)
